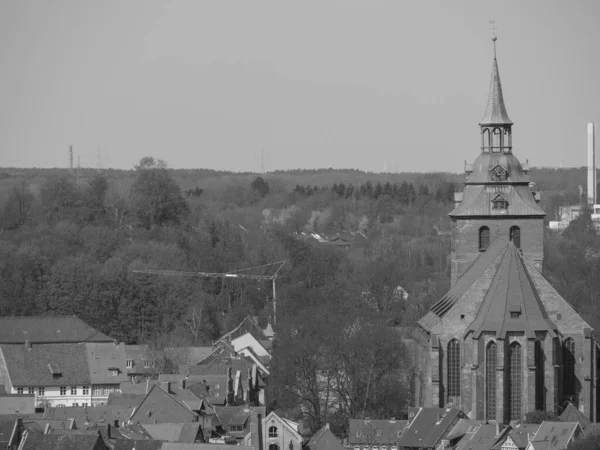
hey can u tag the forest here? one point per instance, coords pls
(366, 255)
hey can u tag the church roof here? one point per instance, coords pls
(495, 111)
(477, 201)
(512, 302)
(486, 163)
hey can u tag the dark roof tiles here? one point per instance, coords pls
(495, 110)
(48, 329)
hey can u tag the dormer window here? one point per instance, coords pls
(113, 372)
(130, 363)
(54, 370)
(515, 311)
(499, 203)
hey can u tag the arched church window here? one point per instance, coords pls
(540, 388)
(484, 238)
(569, 367)
(515, 382)
(515, 236)
(496, 140)
(453, 371)
(491, 353)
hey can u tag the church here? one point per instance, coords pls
(502, 341)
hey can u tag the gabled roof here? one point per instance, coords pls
(132, 444)
(49, 329)
(160, 407)
(572, 414)
(495, 110)
(237, 415)
(429, 426)
(292, 427)
(35, 441)
(174, 432)
(97, 414)
(554, 435)
(375, 432)
(7, 432)
(324, 439)
(511, 291)
(17, 404)
(29, 366)
(482, 438)
(214, 392)
(122, 399)
(248, 325)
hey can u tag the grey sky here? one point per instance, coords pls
(312, 83)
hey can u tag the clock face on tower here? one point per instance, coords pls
(499, 173)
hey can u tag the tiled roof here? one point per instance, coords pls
(429, 426)
(217, 387)
(6, 431)
(476, 270)
(121, 399)
(483, 437)
(324, 439)
(572, 414)
(375, 432)
(35, 441)
(158, 405)
(554, 435)
(180, 446)
(511, 291)
(250, 325)
(97, 414)
(237, 415)
(102, 358)
(30, 367)
(173, 432)
(138, 354)
(131, 444)
(17, 404)
(495, 110)
(477, 201)
(50, 329)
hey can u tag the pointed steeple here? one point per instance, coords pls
(495, 111)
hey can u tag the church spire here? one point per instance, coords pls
(495, 111)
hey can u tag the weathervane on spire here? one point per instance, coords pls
(494, 37)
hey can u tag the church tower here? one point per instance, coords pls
(497, 202)
(502, 341)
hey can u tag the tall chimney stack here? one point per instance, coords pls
(591, 163)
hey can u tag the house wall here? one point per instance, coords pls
(247, 340)
(52, 396)
(285, 440)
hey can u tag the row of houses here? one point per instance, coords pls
(450, 429)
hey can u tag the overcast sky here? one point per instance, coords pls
(323, 83)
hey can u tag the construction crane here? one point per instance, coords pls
(231, 274)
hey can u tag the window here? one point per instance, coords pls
(515, 382)
(540, 388)
(19, 390)
(272, 432)
(97, 390)
(75, 404)
(359, 433)
(569, 367)
(86, 390)
(41, 391)
(114, 372)
(63, 390)
(84, 404)
(378, 432)
(73, 390)
(129, 363)
(146, 363)
(499, 203)
(515, 236)
(132, 378)
(491, 354)
(31, 391)
(454, 371)
(484, 238)
(273, 447)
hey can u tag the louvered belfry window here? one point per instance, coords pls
(569, 367)
(484, 238)
(454, 371)
(490, 381)
(515, 382)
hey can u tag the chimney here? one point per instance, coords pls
(108, 435)
(591, 163)
(116, 423)
(166, 386)
(28, 344)
(183, 383)
(250, 387)
(256, 431)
